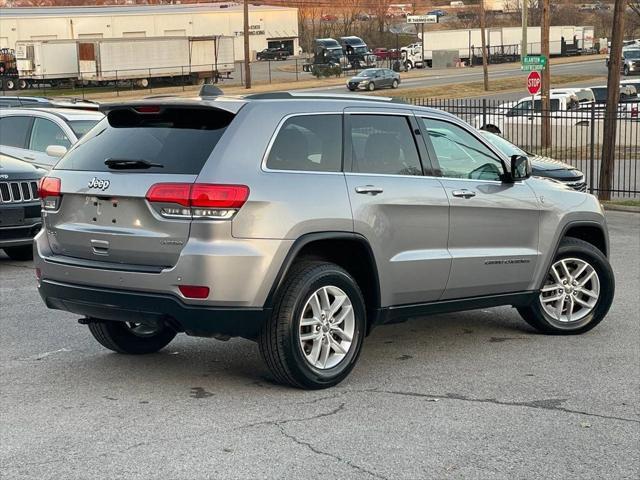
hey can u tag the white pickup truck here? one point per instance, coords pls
(527, 111)
(568, 109)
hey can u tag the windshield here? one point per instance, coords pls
(632, 54)
(80, 127)
(501, 144)
(600, 93)
(368, 73)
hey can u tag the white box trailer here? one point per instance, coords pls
(143, 59)
(563, 40)
(50, 60)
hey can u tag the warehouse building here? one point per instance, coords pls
(268, 26)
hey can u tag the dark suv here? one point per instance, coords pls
(19, 206)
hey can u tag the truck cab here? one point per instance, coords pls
(357, 52)
(327, 51)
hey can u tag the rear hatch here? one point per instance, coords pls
(102, 213)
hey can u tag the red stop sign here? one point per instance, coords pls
(534, 83)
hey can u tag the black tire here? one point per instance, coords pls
(23, 252)
(23, 84)
(625, 71)
(10, 84)
(394, 84)
(279, 337)
(120, 337)
(371, 86)
(351, 89)
(536, 316)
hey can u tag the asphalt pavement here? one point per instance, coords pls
(468, 395)
(436, 77)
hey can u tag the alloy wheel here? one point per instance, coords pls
(327, 327)
(571, 291)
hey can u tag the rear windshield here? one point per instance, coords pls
(175, 141)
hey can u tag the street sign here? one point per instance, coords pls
(534, 63)
(422, 19)
(534, 83)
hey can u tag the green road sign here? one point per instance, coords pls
(532, 63)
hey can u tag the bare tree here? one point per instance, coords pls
(485, 66)
(349, 10)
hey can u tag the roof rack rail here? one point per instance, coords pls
(319, 96)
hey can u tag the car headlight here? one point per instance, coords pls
(363, 82)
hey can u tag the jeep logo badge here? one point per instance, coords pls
(99, 184)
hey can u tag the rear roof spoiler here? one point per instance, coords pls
(231, 105)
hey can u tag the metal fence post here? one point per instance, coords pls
(297, 78)
(484, 111)
(117, 88)
(269, 61)
(241, 75)
(183, 79)
(149, 82)
(592, 150)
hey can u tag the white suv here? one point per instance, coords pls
(41, 135)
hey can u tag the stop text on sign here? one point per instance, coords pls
(534, 83)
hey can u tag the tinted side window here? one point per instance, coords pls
(383, 144)
(308, 143)
(460, 154)
(14, 130)
(45, 133)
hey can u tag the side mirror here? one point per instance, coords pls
(57, 151)
(520, 168)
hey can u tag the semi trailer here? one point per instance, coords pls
(503, 44)
(141, 60)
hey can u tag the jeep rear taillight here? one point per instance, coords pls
(198, 200)
(49, 192)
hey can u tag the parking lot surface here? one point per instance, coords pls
(467, 395)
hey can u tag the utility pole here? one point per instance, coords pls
(485, 60)
(613, 98)
(247, 63)
(525, 28)
(546, 76)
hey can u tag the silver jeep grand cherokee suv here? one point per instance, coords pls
(302, 222)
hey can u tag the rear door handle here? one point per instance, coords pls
(369, 190)
(464, 193)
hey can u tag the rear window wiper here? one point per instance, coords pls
(130, 164)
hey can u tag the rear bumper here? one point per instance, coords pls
(154, 309)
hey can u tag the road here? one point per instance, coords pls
(469, 395)
(445, 77)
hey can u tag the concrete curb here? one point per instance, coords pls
(621, 208)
